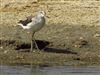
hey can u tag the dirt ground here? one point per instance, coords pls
(70, 37)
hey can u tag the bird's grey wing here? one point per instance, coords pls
(25, 22)
(29, 18)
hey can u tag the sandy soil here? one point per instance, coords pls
(71, 35)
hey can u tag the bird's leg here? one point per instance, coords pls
(35, 42)
(31, 43)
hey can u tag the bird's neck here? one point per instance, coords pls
(40, 15)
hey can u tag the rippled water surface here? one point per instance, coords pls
(23, 70)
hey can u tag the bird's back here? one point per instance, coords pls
(26, 21)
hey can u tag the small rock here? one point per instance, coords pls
(19, 57)
(80, 43)
(5, 52)
(81, 38)
(99, 56)
(1, 47)
(77, 46)
(97, 35)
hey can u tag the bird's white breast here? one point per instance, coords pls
(36, 25)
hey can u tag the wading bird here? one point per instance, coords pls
(33, 24)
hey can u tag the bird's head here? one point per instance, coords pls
(41, 13)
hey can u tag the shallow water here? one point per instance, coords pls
(23, 70)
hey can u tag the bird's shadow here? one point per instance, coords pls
(26, 46)
(44, 45)
(57, 50)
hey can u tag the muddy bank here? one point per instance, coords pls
(63, 45)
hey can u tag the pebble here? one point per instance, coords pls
(98, 55)
(19, 57)
(97, 35)
(1, 47)
(5, 52)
